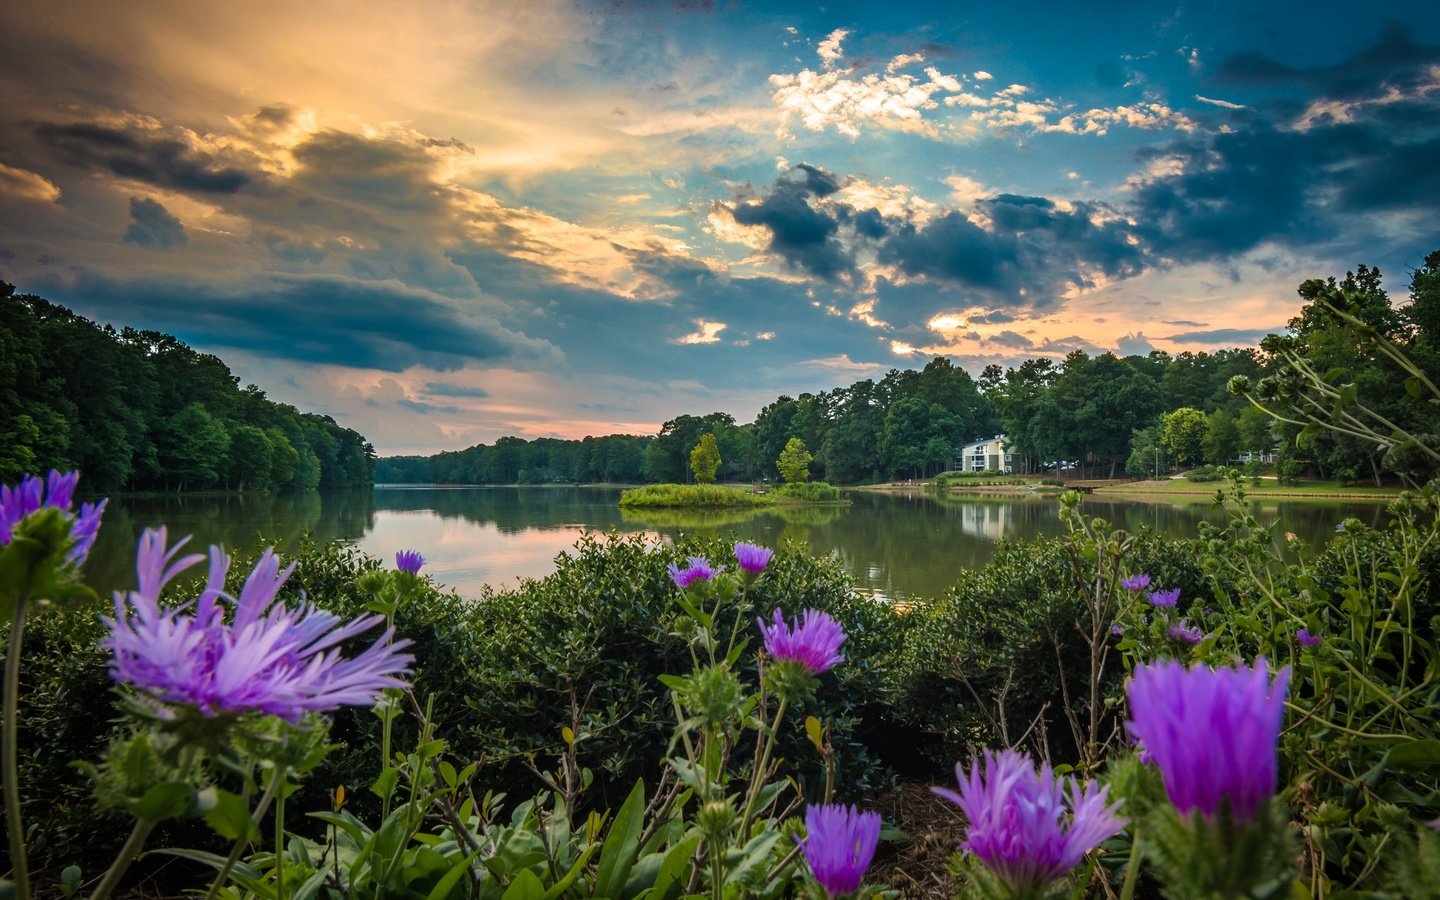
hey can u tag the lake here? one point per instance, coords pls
(893, 544)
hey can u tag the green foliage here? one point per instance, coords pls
(709, 496)
(1182, 434)
(140, 410)
(705, 459)
(794, 462)
(809, 491)
(1207, 474)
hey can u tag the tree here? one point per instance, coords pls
(1222, 437)
(194, 446)
(794, 462)
(250, 457)
(705, 459)
(1254, 428)
(1147, 456)
(1182, 432)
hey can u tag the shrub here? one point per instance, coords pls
(688, 495)
(810, 491)
(1206, 474)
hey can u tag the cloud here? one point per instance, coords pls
(1224, 104)
(385, 326)
(440, 389)
(705, 333)
(153, 227)
(27, 185)
(1133, 344)
(801, 234)
(1237, 337)
(144, 152)
(829, 49)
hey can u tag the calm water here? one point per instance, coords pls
(894, 545)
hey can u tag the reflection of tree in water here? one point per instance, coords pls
(822, 514)
(511, 509)
(704, 521)
(235, 521)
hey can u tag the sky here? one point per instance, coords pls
(443, 222)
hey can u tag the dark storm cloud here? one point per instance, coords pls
(376, 172)
(1011, 339)
(367, 325)
(1394, 59)
(152, 226)
(144, 155)
(422, 407)
(1031, 252)
(1237, 337)
(803, 236)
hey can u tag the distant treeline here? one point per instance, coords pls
(140, 410)
(1101, 415)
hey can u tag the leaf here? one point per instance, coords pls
(812, 728)
(446, 885)
(1420, 754)
(621, 843)
(384, 786)
(167, 800)
(230, 817)
(526, 886)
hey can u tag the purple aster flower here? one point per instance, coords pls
(753, 559)
(1165, 598)
(1305, 637)
(55, 492)
(1136, 582)
(1186, 633)
(698, 570)
(1212, 732)
(268, 659)
(813, 641)
(839, 843)
(409, 561)
(1017, 823)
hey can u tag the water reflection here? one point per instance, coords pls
(893, 545)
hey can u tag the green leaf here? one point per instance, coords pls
(167, 800)
(812, 728)
(1415, 754)
(526, 886)
(384, 786)
(621, 843)
(230, 817)
(446, 885)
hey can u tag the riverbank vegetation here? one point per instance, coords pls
(1084, 417)
(138, 410)
(699, 496)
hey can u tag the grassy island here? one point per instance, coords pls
(697, 496)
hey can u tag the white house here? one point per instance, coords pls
(988, 455)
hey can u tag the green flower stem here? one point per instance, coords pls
(124, 858)
(757, 777)
(13, 824)
(138, 835)
(280, 850)
(239, 846)
(1132, 868)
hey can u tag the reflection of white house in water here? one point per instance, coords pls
(985, 520)
(987, 455)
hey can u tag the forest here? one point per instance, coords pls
(1103, 415)
(139, 410)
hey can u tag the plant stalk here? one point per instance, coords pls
(14, 826)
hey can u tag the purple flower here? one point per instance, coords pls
(1212, 732)
(268, 659)
(813, 641)
(1165, 598)
(1117, 629)
(753, 559)
(1305, 637)
(839, 843)
(698, 570)
(1136, 582)
(54, 492)
(1017, 823)
(1186, 633)
(409, 561)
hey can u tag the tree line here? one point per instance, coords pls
(137, 410)
(1096, 416)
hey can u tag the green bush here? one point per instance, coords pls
(688, 495)
(809, 491)
(502, 670)
(1206, 474)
